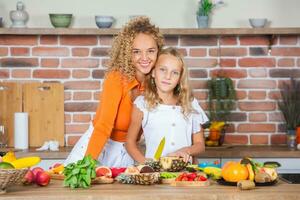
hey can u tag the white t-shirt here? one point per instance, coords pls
(169, 122)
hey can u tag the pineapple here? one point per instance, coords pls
(172, 164)
(145, 178)
(154, 164)
(125, 178)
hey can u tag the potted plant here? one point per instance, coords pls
(204, 9)
(289, 105)
(221, 99)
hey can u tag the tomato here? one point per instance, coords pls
(234, 172)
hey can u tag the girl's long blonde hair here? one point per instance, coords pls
(121, 51)
(182, 91)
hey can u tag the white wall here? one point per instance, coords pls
(164, 13)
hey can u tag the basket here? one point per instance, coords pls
(11, 177)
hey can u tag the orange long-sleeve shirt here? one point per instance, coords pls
(113, 114)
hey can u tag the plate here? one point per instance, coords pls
(223, 182)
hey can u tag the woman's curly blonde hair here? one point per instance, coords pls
(121, 51)
(182, 91)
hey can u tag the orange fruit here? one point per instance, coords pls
(103, 171)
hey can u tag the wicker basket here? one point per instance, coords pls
(11, 177)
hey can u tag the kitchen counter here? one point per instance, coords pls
(56, 191)
(211, 152)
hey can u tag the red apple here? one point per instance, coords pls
(28, 178)
(42, 178)
(35, 171)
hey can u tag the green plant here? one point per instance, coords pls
(80, 174)
(222, 97)
(289, 104)
(206, 6)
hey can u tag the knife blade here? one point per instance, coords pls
(160, 149)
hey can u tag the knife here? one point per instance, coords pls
(160, 149)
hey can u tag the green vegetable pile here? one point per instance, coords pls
(167, 175)
(80, 174)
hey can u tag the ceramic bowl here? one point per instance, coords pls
(103, 21)
(258, 22)
(60, 20)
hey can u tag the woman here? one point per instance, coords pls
(133, 55)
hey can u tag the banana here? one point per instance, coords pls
(250, 171)
(25, 162)
(214, 172)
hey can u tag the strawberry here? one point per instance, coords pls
(179, 178)
(192, 176)
(185, 179)
(201, 178)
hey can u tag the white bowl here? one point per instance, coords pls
(104, 21)
(258, 22)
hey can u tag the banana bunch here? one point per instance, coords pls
(20, 163)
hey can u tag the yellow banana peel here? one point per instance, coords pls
(26, 162)
(9, 157)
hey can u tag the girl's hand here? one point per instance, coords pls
(181, 153)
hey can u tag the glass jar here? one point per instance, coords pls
(291, 139)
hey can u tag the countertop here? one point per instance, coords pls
(55, 191)
(210, 152)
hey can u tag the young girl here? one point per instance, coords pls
(133, 55)
(167, 110)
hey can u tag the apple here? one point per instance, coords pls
(28, 178)
(35, 171)
(42, 178)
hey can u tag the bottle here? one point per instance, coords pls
(19, 17)
(3, 137)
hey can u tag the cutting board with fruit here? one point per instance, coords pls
(191, 179)
(249, 172)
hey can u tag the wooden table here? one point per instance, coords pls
(55, 191)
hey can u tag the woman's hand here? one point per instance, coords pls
(182, 153)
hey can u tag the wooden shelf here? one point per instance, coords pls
(165, 31)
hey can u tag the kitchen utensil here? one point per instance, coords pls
(11, 102)
(160, 149)
(258, 22)
(44, 103)
(60, 20)
(103, 21)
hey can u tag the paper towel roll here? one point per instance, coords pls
(21, 130)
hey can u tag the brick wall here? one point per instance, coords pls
(78, 63)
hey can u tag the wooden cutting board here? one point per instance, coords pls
(44, 103)
(10, 102)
